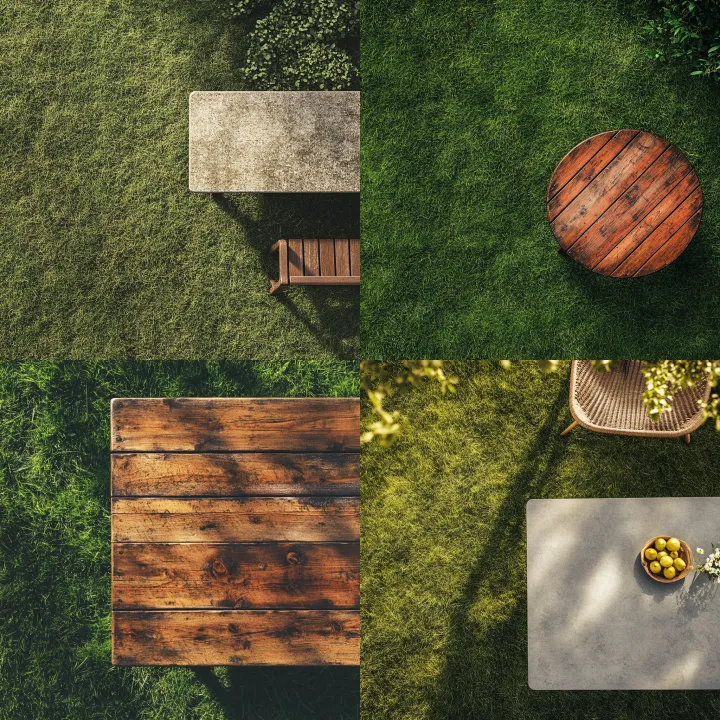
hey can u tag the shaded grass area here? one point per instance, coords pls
(444, 611)
(55, 549)
(467, 109)
(104, 253)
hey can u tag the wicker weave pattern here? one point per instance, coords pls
(612, 402)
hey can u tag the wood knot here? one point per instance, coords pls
(293, 558)
(233, 628)
(218, 567)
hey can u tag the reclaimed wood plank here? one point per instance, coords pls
(355, 258)
(619, 219)
(648, 224)
(295, 257)
(252, 519)
(327, 258)
(232, 474)
(575, 160)
(235, 424)
(662, 234)
(607, 187)
(311, 257)
(342, 258)
(589, 172)
(283, 575)
(236, 637)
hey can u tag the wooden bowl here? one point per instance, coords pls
(684, 552)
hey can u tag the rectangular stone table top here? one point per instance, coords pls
(596, 621)
(235, 528)
(275, 142)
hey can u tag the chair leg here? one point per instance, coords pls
(570, 427)
(687, 439)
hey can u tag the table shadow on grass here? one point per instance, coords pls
(301, 215)
(284, 692)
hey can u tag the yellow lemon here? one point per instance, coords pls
(679, 564)
(661, 555)
(655, 567)
(672, 545)
(660, 544)
(673, 554)
(666, 561)
(651, 553)
(669, 572)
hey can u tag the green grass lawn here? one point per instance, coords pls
(55, 550)
(104, 253)
(467, 108)
(444, 612)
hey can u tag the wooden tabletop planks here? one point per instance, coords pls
(235, 527)
(624, 203)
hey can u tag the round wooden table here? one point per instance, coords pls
(624, 203)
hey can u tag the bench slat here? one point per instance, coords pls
(233, 474)
(355, 258)
(254, 519)
(327, 258)
(233, 424)
(295, 257)
(236, 637)
(342, 258)
(165, 576)
(311, 257)
(337, 280)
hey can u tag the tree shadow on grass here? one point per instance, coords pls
(301, 215)
(284, 692)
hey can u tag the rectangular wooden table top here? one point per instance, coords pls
(299, 141)
(235, 531)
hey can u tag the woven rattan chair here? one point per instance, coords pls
(611, 402)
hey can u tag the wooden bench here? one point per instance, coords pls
(317, 262)
(235, 531)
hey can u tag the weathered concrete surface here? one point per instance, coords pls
(596, 621)
(275, 142)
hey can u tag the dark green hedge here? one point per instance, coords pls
(300, 44)
(689, 29)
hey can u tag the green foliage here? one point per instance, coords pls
(688, 29)
(300, 44)
(55, 549)
(381, 380)
(664, 378)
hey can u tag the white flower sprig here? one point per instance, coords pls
(711, 567)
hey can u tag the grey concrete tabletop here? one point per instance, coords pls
(288, 142)
(596, 621)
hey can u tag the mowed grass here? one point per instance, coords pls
(467, 109)
(104, 253)
(444, 611)
(55, 550)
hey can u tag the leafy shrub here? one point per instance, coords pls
(300, 44)
(691, 30)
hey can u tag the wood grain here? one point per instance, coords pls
(295, 257)
(327, 258)
(236, 637)
(342, 257)
(282, 575)
(234, 424)
(310, 519)
(615, 212)
(233, 474)
(355, 258)
(311, 257)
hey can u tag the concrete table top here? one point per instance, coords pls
(596, 621)
(275, 142)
